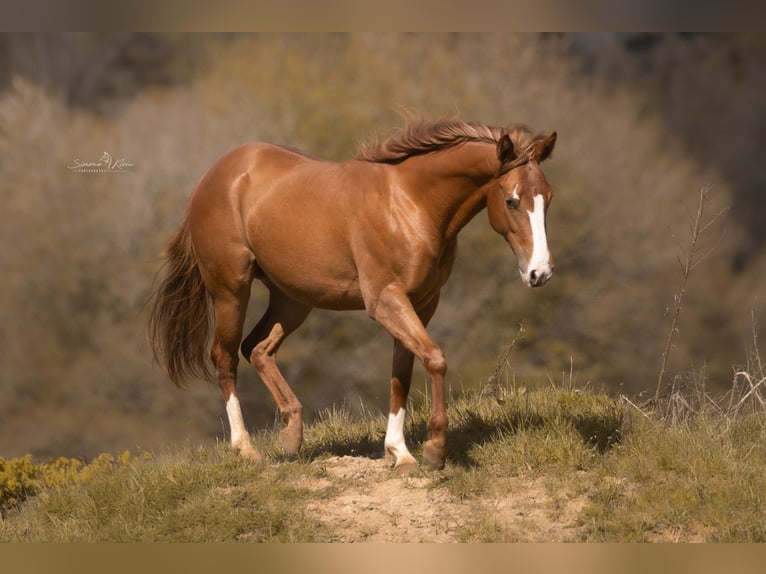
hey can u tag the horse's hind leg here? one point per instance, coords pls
(282, 317)
(230, 305)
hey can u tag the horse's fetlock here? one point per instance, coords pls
(437, 425)
(292, 412)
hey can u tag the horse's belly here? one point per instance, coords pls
(312, 283)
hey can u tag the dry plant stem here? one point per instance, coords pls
(492, 382)
(635, 406)
(697, 229)
(753, 375)
(756, 355)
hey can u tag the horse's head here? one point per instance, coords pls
(518, 200)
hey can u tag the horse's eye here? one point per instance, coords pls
(511, 203)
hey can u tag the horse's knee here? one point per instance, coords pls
(435, 363)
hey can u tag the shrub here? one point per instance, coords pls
(20, 478)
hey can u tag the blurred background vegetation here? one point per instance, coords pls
(644, 122)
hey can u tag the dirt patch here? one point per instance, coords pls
(530, 513)
(375, 504)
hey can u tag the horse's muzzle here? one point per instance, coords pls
(537, 277)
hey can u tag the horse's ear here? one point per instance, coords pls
(542, 150)
(506, 152)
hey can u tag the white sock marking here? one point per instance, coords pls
(394, 441)
(236, 422)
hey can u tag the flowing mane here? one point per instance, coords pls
(420, 137)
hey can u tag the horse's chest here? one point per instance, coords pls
(425, 270)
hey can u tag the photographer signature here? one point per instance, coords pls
(105, 164)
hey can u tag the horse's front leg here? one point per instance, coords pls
(394, 311)
(401, 376)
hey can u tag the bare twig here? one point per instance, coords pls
(753, 375)
(753, 389)
(492, 383)
(756, 355)
(632, 404)
(688, 264)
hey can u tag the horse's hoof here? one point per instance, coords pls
(248, 452)
(291, 439)
(392, 458)
(434, 455)
(405, 466)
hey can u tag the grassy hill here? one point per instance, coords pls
(555, 464)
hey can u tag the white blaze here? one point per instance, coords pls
(540, 260)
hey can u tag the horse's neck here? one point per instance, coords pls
(452, 183)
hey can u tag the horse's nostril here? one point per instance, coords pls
(533, 275)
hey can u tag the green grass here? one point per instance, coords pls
(702, 481)
(192, 495)
(641, 476)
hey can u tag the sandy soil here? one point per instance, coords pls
(373, 503)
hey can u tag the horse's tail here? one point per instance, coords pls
(179, 313)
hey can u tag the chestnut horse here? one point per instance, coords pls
(378, 232)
